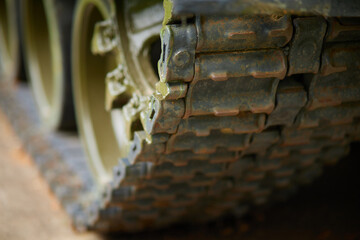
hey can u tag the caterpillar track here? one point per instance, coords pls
(246, 109)
(236, 123)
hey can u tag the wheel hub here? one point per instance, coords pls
(114, 81)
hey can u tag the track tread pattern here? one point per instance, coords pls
(238, 136)
(250, 126)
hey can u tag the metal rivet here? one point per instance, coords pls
(181, 58)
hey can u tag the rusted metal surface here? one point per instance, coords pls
(234, 33)
(328, 191)
(178, 53)
(340, 57)
(258, 64)
(240, 97)
(306, 45)
(226, 128)
(333, 89)
(341, 114)
(290, 98)
(343, 29)
(304, 7)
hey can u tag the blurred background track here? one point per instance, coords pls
(327, 209)
(27, 209)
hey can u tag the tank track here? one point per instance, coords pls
(247, 108)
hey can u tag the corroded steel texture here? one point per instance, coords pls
(178, 48)
(242, 32)
(333, 89)
(343, 29)
(340, 57)
(233, 122)
(237, 116)
(290, 98)
(306, 45)
(333, 8)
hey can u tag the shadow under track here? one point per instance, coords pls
(327, 209)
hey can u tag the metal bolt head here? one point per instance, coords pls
(181, 58)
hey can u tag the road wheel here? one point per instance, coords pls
(46, 28)
(112, 78)
(9, 40)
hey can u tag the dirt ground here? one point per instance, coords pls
(328, 209)
(27, 209)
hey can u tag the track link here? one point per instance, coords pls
(247, 108)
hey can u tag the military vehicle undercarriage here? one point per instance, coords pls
(188, 110)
